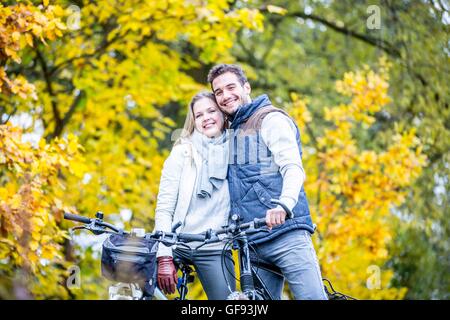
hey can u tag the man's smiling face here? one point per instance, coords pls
(230, 92)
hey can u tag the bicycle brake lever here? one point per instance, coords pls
(73, 229)
(212, 238)
(176, 226)
(196, 248)
(289, 213)
(95, 228)
(77, 228)
(166, 241)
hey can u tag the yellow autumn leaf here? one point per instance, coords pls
(58, 203)
(33, 245)
(29, 39)
(276, 9)
(38, 221)
(46, 239)
(15, 36)
(37, 30)
(48, 253)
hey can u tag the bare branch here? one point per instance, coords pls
(9, 115)
(75, 103)
(379, 43)
(48, 83)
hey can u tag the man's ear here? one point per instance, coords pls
(247, 88)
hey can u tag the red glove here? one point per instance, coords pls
(167, 274)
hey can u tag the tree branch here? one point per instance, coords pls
(250, 54)
(9, 115)
(107, 28)
(48, 83)
(379, 43)
(275, 24)
(58, 129)
(101, 49)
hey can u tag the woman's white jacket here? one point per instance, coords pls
(176, 188)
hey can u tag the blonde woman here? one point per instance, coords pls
(194, 190)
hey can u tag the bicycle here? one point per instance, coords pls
(132, 290)
(235, 234)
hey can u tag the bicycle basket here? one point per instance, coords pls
(130, 259)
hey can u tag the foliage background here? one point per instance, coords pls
(92, 91)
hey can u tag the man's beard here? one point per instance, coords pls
(243, 99)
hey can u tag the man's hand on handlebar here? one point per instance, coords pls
(278, 215)
(275, 217)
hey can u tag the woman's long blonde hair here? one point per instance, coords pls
(189, 123)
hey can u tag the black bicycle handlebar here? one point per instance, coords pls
(74, 217)
(97, 226)
(258, 223)
(187, 237)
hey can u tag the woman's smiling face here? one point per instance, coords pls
(209, 120)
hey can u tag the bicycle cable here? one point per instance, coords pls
(223, 257)
(223, 263)
(336, 295)
(228, 245)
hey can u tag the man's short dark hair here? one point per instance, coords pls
(220, 69)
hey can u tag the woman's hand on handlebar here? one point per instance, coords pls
(167, 274)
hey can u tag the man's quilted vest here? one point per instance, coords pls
(253, 176)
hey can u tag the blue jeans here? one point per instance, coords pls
(208, 265)
(294, 254)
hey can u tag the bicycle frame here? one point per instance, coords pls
(248, 274)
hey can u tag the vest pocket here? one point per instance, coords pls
(263, 195)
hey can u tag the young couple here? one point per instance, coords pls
(236, 154)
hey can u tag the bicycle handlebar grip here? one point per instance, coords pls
(191, 237)
(74, 217)
(259, 222)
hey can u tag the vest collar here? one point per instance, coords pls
(245, 111)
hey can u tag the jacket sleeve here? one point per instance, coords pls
(283, 145)
(168, 194)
